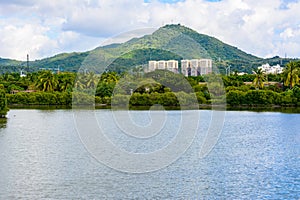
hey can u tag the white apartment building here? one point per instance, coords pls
(171, 65)
(196, 67)
(185, 65)
(162, 64)
(205, 66)
(152, 65)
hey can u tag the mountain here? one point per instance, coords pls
(168, 42)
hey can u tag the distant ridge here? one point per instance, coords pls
(168, 42)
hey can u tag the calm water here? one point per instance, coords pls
(257, 157)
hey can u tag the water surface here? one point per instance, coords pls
(257, 157)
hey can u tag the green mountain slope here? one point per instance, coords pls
(168, 42)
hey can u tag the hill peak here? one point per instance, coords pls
(172, 41)
(177, 27)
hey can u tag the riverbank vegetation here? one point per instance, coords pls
(159, 87)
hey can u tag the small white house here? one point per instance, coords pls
(22, 74)
(276, 69)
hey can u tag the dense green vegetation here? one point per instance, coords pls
(158, 87)
(3, 102)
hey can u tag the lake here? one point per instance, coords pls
(43, 155)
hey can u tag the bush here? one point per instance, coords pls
(288, 99)
(120, 99)
(257, 97)
(3, 104)
(201, 98)
(43, 98)
(138, 99)
(235, 97)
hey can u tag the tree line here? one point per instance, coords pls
(158, 87)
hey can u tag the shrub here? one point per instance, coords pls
(3, 103)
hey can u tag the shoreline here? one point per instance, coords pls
(255, 108)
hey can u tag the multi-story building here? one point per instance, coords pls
(152, 65)
(194, 67)
(205, 66)
(171, 65)
(185, 67)
(162, 64)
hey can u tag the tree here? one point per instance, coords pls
(259, 79)
(86, 81)
(3, 102)
(109, 78)
(47, 81)
(91, 80)
(290, 74)
(66, 81)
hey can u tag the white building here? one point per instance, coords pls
(271, 69)
(196, 67)
(171, 65)
(152, 65)
(185, 66)
(205, 66)
(162, 64)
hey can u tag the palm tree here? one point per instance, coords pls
(66, 81)
(109, 78)
(290, 74)
(91, 80)
(86, 81)
(259, 78)
(80, 82)
(47, 81)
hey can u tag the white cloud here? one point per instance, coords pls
(44, 28)
(18, 41)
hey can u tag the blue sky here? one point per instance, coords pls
(44, 28)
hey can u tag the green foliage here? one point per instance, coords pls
(291, 74)
(259, 79)
(86, 82)
(40, 98)
(159, 87)
(138, 99)
(47, 81)
(232, 81)
(81, 98)
(243, 88)
(296, 92)
(105, 89)
(260, 98)
(67, 61)
(201, 98)
(176, 82)
(65, 81)
(138, 57)
(235, 97)
(3, 102)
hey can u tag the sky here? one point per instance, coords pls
(264, 28)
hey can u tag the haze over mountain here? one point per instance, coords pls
(168, 42)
